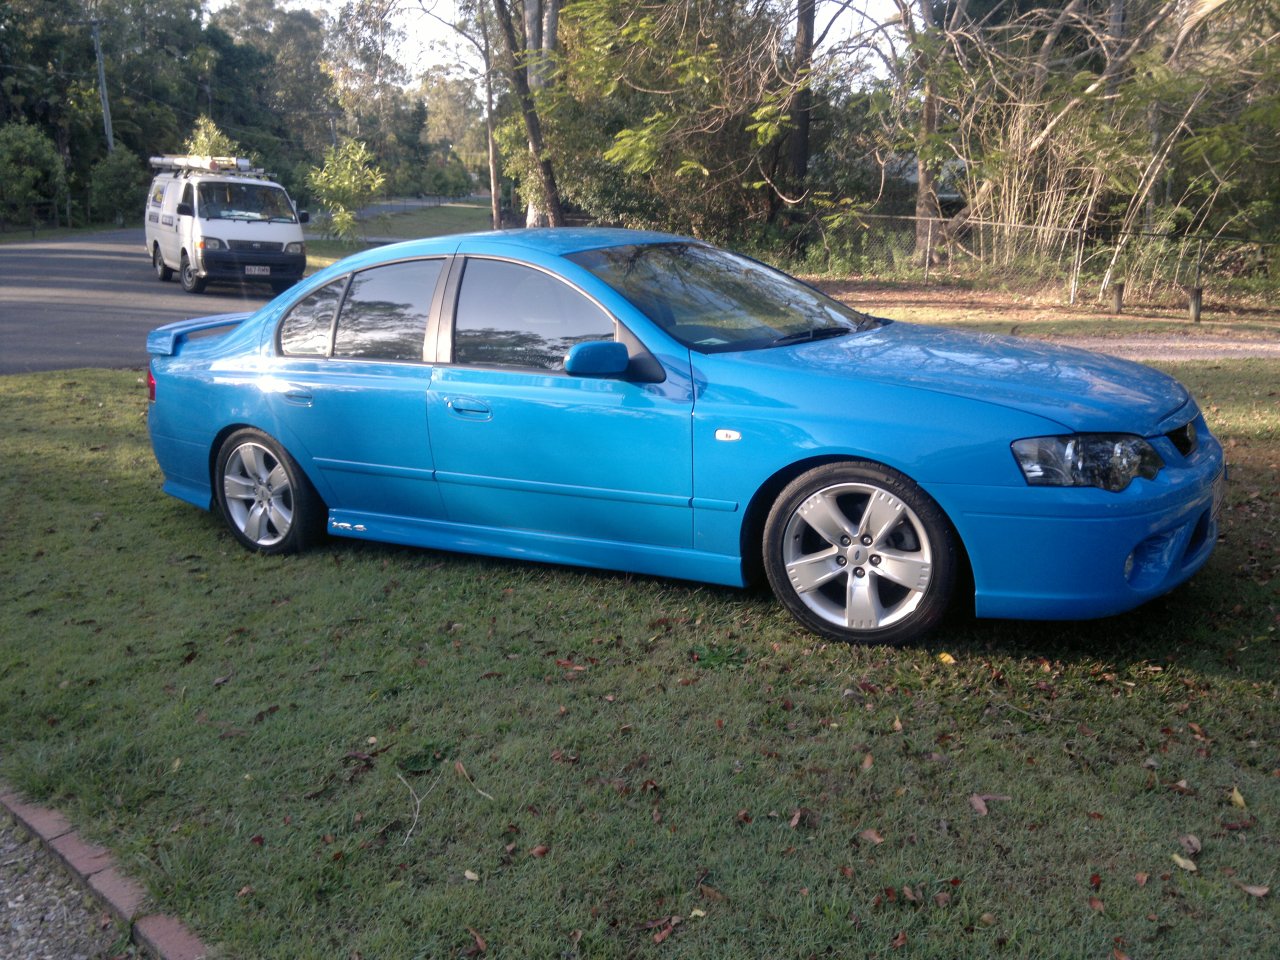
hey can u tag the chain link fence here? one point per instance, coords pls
(1067, 266)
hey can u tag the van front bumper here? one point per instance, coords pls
(245, 265)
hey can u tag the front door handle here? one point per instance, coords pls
(298, 396)
(469, 408)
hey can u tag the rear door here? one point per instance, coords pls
(352, 387)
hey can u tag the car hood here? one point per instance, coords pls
(1079, 389)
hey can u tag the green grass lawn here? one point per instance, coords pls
(381, 752)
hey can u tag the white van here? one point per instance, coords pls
(216, 218)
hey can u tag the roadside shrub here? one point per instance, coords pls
(118, 186)
(31, 174)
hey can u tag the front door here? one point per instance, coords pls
(521, 445)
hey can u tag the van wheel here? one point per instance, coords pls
(162, 271)
(191, 282)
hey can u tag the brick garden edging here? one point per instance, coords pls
(164, 936)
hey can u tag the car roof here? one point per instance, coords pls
(559, 241)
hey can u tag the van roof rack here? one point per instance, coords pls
(196, 163)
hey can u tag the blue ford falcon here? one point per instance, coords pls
(644, 402)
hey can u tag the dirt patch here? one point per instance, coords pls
(1149, 333)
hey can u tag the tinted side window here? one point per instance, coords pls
(514, 316)
(306, 328)
(385, 313)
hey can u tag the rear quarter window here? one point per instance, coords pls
(307, 329)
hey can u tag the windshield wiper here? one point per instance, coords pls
(813, 333)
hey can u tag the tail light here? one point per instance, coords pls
(151, 384)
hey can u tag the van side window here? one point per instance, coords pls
(157, 195)
(186, 195)
(308, 327)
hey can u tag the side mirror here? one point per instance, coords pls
(186, 210)
(304, 217)
(597, 358)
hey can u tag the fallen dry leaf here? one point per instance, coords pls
(872, 836)
(897, 724)
(1237, 798)
(1254, 891)
(979, 805)
(1096, 904)
(1184, 863)
(899, 941)
(479, 946)
(867, 761)
(947, 658)
(1190, 843)
(471, 875)
(541, 850)
(1141, 878)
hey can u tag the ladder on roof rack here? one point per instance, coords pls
(195, 163)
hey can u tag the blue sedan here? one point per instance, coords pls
(644, 402)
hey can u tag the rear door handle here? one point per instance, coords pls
(298, 396)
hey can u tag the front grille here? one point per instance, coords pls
(1184, 438)
(256, 246)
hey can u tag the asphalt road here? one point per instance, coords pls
(89, 301)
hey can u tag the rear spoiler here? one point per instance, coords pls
(164, 341)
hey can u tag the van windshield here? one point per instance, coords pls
(227, 200)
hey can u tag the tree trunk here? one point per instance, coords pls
(799, 146)
(495, 180)
(532, 123)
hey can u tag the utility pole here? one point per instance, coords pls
(102, 81)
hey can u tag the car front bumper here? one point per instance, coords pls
(1046, 553)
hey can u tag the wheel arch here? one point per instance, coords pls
(757, 512)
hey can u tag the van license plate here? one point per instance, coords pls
(257, 271)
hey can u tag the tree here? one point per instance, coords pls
(31, 174)
(207, 140)
(348, 180)
(476, 30)
(528, 68)
(118, 186)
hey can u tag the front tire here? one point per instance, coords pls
(264, 497)
(163, 272)
(191, 281)
(857, 552)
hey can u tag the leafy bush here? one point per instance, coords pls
(348, 181)
(31, 173)
(118, 186)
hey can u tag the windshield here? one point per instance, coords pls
(237, 200)
(714, 301)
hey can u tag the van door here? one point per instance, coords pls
(171, 228)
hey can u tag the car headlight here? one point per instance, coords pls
(1110, 461)
(295, 247)
(212, 243)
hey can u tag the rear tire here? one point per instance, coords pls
(857, 552)
(163, 271)
(266, 500)
(191, 281)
